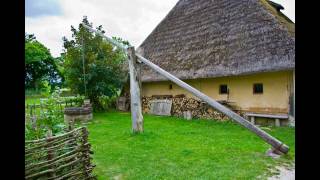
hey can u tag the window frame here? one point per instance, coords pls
(254, 88)
(227, 89)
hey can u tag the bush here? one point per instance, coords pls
(108, 102)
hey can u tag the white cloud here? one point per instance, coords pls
(289, 8)
(128, 19)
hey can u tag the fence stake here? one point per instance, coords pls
(50, 153)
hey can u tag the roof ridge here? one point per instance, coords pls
(281, 18)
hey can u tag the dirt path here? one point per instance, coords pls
(285, 174)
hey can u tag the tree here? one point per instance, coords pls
(93, 67)
(40, 66)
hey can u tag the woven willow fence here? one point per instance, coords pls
(65, 156)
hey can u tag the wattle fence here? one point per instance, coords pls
(66, 156)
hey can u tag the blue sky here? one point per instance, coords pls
(38, 8)
(133, 20)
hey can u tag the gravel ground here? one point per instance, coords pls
(285, 174)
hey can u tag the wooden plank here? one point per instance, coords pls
(135, 92)
(278, 145)
(161, 107)
(162, 96)
(277, 122)
(280, 116)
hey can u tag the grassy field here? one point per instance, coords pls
(173, 148)
(32, 101)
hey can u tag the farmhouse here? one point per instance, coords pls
(239, 52)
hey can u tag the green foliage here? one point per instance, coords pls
(53, 115)
(46, 89)
(50, 119)
(103, 65)
(108, 102)
(40, 66)
(32, 134)
(173, 148)
(35, 94)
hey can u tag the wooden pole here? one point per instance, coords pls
(276, 144)
(136, 110)
(112, 41)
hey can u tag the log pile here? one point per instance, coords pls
(181, 103)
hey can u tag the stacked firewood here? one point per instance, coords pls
(146, 104)
(180, 104)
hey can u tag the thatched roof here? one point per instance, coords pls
(212, 38)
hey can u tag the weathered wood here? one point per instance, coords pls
(121, 103)
(279, 116)
(162, 96)
(234, 116)
(112, 41)
(187, 115)
(161, 107)
(58, 161)
(252, 119)
(135, 92)
(50, 153)
(277, 122)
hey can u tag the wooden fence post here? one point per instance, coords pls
(135, 92)
(85, 148)
(50, 154)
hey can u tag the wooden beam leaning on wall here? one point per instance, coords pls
(275, 143)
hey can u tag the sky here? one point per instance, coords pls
(132, 20)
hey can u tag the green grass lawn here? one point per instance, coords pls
(173, 148)
(32, 101)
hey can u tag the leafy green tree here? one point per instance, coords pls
(93, 67)
(59, 61)
(40, 66)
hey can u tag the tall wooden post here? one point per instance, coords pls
(135, 92)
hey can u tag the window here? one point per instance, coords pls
(258, 88)
(223, 89)
(170, 86)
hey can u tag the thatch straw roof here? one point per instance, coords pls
(212, 38)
